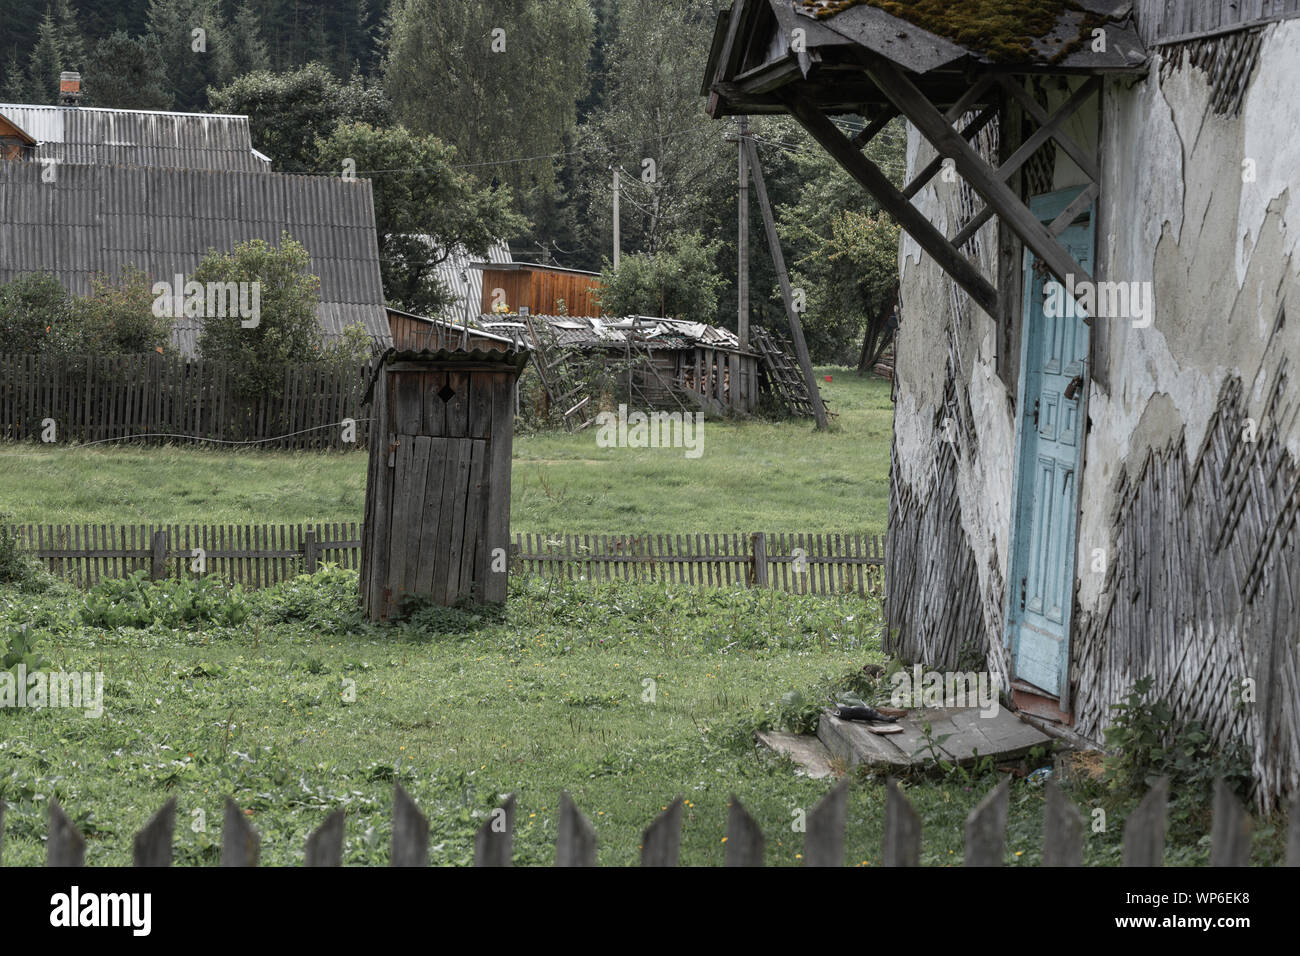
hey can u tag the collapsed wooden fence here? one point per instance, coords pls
(576, 842)
(261, 555)
(153, 397)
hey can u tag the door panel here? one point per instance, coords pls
(1054, 351)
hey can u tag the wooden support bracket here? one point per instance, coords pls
(985, 180)
(894, 202)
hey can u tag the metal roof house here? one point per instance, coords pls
(1095, 470)
(112, 137)
(92, 191)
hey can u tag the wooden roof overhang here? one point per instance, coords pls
(769, 57)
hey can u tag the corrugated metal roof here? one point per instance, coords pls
(74, 134)
(98, 219)
(462, 275)
(580, 332)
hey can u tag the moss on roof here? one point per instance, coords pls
(1003, 30)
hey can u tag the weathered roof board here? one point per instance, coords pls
(101, 218)
(751, 57)
(74, 134)
(582, 332)
(1169, 21)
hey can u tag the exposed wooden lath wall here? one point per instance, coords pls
(1228, 61)
(1171, 21)
(1204, 590)
(934, 609)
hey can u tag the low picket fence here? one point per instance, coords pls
(264, 554)
(576, 841)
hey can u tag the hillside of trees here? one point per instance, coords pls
(494, 118)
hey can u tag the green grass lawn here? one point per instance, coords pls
(752, 476)
(625, 695)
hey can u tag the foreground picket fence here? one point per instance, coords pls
(263, 554)
(1063, 833)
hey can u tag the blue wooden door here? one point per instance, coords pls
(1050, 434)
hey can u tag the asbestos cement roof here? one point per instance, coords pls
(76, 134)
(99, 219)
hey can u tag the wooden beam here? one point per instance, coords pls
(1053, 122)
(982, 178)
(783, 277)
(925, 175)
(895, 203)
(867, 134)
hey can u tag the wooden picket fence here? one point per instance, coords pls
(153, 397)
(985, 831)
(799, 563)
(253, 555)
(261, 555)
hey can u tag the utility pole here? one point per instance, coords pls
(617, 243)
(742, 242)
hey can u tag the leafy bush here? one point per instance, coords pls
(1146, 743)
(118, 318)
(286, 332)
(35, 313)
(328, 601)
(681, 282)
(14, 565)
(18, 646)
(135, 601)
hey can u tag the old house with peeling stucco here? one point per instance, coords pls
(1096, 454)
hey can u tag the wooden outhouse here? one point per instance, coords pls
(437, 521)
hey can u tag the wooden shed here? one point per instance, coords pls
(543, 290)
(437, 523)
(423, 333)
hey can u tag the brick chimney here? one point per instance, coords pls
(69, 88)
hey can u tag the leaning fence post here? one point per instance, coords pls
(986, 827)
(744, 838)
(325, 846)
(662, 840)
(902, 828)
(410, 831)
(494, 842)
(1229, 830)
(1062, 829)
(65, 846)
(576, 843)
(153, 843)
(759, 557)
(1144, 831)
(823, 843)
(309, 551)
(2, 832)
(240, 844)
(158, 569)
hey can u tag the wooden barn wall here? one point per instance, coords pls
(542, 290)
(513, 283)
(1203, 593)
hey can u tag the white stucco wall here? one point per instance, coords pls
(1219, 253)
(1176, 213)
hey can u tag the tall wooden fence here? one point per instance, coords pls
(156, 397)
(576, 841)
(260, 555)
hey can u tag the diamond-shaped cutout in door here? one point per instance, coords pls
(446, 393)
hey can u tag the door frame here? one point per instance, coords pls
(1046, 207)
